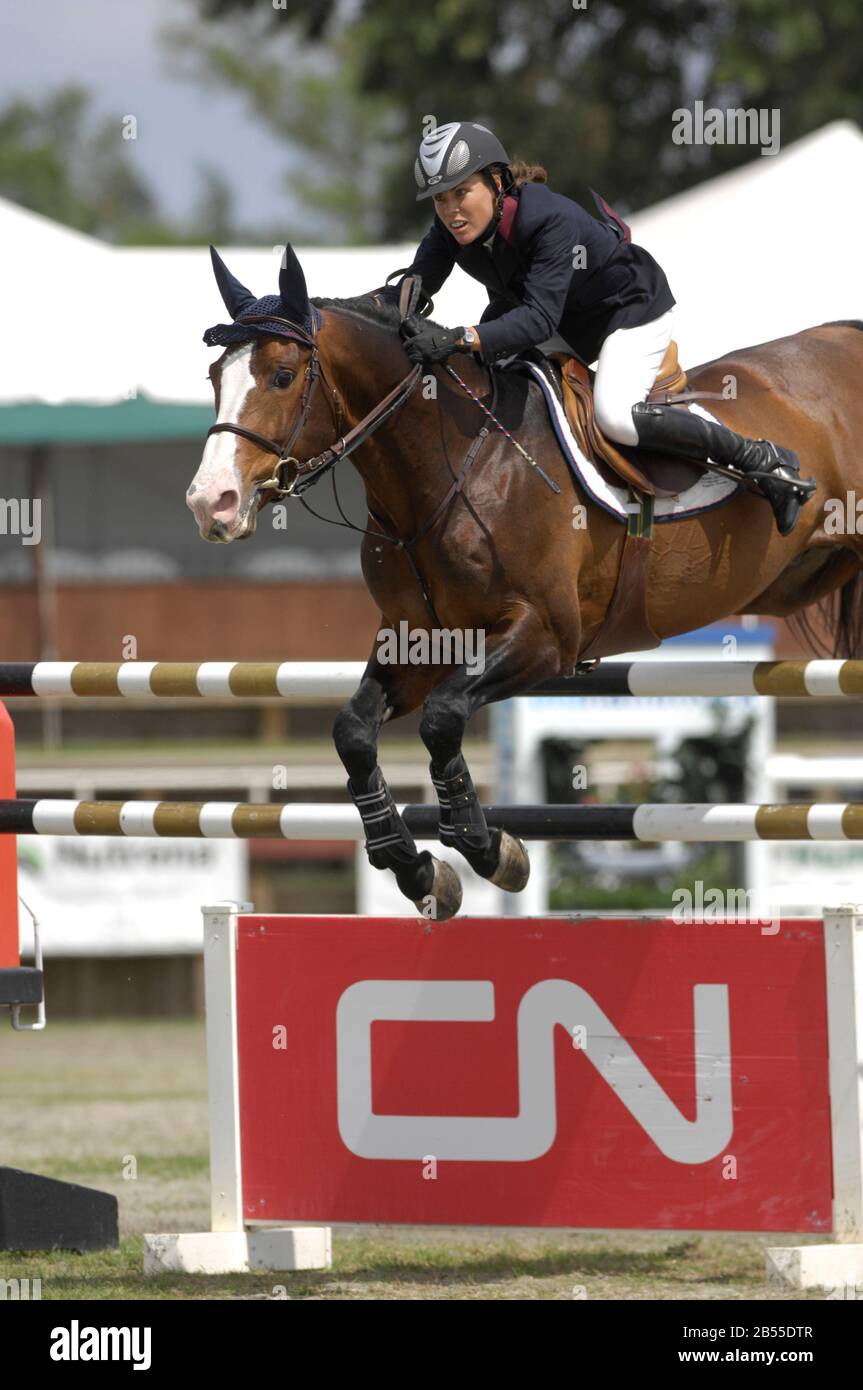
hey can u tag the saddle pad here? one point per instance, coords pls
(709, 492)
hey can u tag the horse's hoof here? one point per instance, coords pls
(444, 899)
(513, 866)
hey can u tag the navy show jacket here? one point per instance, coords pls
(533, 288)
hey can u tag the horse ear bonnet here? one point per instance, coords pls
(291, 303)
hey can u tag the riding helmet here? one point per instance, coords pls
(450, 153)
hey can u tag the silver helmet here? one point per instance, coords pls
(449, 153)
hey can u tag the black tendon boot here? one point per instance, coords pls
(672, 429)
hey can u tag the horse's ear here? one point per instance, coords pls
(237, 298)
(292, 287)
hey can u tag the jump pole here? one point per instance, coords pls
(229, 820)
(322, 680)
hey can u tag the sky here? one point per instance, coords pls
(111, 48)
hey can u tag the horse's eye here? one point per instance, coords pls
(283, 377)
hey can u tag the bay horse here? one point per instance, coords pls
(464, 535)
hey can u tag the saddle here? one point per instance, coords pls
(655, 475)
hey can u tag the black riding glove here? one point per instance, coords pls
(430, 343)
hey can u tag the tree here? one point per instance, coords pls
(57, 161)
(589, 92)
(310, 97)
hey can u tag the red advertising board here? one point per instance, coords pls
(8, 851)
(539, 1072)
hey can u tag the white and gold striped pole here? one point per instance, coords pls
(323, 679)
(650, 823)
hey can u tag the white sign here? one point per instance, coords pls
(117, 896)
(804, 876)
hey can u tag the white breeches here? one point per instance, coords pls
(628, 364)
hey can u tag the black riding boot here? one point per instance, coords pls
(675, 430)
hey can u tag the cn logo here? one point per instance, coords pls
(531, 1133)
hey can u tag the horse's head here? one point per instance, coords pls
(268, 402)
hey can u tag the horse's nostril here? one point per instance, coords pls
(226, 505)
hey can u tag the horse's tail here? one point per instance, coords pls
(839, 615)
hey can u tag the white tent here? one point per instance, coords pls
(93, 323)
(31, 239)
(58, 290)
(765, 250)
(176, 299)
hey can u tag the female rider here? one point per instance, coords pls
(561, 280)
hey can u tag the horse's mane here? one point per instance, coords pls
(382, 313)
(844, 323)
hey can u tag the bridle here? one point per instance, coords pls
(311, 470)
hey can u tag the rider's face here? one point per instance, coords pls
(466, 210)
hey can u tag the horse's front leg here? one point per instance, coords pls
(386, 692)
(516, 657)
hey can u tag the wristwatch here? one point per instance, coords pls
(470, 337)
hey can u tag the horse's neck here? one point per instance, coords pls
(401, 471)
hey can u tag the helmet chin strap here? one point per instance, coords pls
(499, 195)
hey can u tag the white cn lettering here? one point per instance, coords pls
(531, 1133)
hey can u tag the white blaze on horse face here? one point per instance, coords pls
(216, 492)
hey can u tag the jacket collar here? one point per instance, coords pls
(502, 254)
